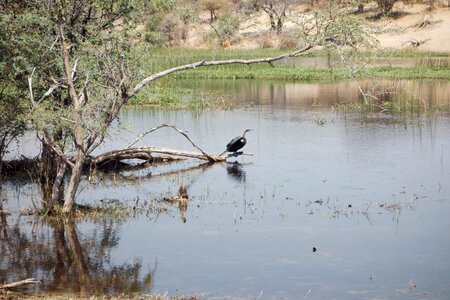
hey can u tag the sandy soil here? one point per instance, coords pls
(415, 27)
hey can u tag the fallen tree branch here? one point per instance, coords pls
(146, 153)
(205, 63)
(20, 283)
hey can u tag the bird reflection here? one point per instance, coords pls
(236, 171)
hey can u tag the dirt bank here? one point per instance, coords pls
(414, 26)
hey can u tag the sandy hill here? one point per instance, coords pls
(416, 26)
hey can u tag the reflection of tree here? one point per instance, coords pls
(54, 253)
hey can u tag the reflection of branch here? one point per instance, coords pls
(20, 283)
(201, 167)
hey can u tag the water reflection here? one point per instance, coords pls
(67, 261)
(323, 95)
(236, 171)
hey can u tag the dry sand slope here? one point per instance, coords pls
(414, 24)
(422, 25)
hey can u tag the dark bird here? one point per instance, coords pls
(236, 143)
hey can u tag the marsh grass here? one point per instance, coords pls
(394, 103)
(168, 95)
(110, 209)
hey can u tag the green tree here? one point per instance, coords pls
(228, 26)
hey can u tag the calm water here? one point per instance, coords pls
(370, 193)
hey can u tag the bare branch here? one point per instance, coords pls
(68, 69)
(30, 86)
(49, 92)
(83, 96)
(210, 157)
(74, 69)
(205, 63)
(19, 283)
(147, 152)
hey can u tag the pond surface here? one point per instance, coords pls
(370, 193)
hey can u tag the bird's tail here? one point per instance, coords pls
(223, 153)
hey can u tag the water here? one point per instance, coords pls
(370, 193)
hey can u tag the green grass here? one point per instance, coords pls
(161, 59)
(165, 94)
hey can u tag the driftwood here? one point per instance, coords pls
(20, 283)
(148, 153)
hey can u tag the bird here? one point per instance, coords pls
(236, 143)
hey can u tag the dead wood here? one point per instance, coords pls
(148, 153)
(20, 283)
(182, 132)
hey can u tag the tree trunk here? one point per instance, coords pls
(279, 26)
(273, 26)
(75, 178)
(360, 8)
(58, 185)
(48, 170)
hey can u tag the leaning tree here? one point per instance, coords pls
(80, 71)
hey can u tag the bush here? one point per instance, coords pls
(228, 26)
(155, 39)
(170, 28)
(385, 6)
(153, 23)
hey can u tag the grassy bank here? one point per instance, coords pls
(427, 66)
